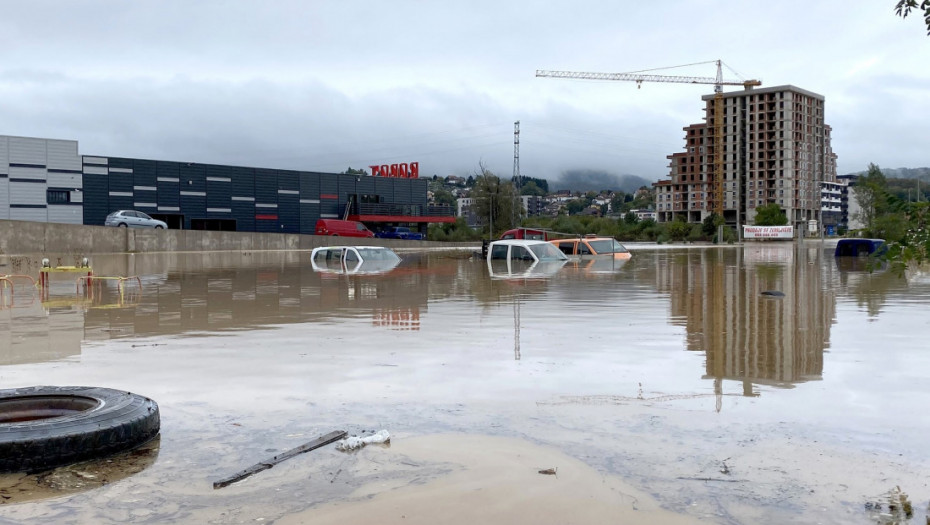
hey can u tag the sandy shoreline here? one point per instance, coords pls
(489, 480)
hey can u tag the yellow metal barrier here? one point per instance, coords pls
(9, 280)
(46, 270)
(89, 280)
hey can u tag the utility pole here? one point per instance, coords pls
(516, 169)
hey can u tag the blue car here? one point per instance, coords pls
(400, 232)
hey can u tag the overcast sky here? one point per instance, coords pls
(323, 86)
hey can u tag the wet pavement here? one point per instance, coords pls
(667, 389)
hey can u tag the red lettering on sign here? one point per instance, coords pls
(403, 170)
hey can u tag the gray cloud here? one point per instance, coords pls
(324, 86)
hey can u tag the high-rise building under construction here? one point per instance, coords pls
(776, 149)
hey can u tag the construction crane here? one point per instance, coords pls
(645, 76)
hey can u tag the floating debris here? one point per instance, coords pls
(549, 471)
(356, 442)
(891, 508)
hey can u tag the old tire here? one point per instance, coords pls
(43, 427)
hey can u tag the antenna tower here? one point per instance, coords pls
(516, 162)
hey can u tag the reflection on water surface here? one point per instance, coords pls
(627, 366)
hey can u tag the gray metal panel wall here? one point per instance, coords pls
(309, 214)
(68, 180)
(193, 189)
(193, 177)
(329, 196)
(309, 185)
(366, 185)
(309, 201)
(68, 214)
(329, 184)
(4, 155)
(168, 183)
(266, 186)
(63, 155)
(143, 172)
(96, 190)
(289, 213)
(24, 150)
(29, 214)
(27, 193)
(288, 180)
(385, 188)
(219, 188)
(4, 177)
(243, 187)
(418, 189)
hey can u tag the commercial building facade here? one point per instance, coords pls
(776, 149)
(46, 180)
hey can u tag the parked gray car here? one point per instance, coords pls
(133, 219)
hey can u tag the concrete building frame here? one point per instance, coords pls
(776, 149)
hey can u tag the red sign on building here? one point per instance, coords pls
(401, 171)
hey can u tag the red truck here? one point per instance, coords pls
(533, 234)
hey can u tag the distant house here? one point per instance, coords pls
(645, 214)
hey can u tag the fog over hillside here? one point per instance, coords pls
(596, 180)
(900, 173)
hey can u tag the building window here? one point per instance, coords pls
(58, 196)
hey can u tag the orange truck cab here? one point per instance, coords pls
(338, 228)
(591, 246)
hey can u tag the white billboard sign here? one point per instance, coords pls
(768, 232)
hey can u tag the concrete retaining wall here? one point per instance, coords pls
(22, 238)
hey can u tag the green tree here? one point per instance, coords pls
(542, 184)
(616, 202)
(645, 198)
(495, 202)
(770, 215)
(531, 188)
(870, 194)
(630, 218)
(575, 206)
(443, 196)
(711, 222)
(678, 229)
(458, 231)
(351, 171)
(904, 8)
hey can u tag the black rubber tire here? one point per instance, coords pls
(123, 225)
(158, 227)
(106, 421)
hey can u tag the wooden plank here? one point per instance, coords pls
(335, 435)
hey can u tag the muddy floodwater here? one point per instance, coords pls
(667, 389)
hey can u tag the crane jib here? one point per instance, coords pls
(632, 77)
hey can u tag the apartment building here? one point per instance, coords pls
(776, 149)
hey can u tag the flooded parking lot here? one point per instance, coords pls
(666, 389)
